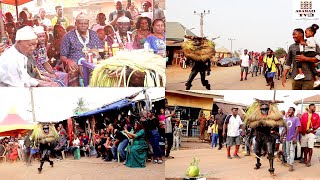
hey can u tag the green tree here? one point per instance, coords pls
(279, 52)
(81, 106)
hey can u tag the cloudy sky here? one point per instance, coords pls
(52, 104)
(255, 24)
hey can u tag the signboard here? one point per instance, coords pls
(306, 9)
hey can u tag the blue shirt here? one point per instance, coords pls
(72, 48)
(157, 44)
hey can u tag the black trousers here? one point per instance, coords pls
(268, 140)
(220, 131)
(169, 137)
(194, 73)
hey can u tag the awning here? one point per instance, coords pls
(116, 105)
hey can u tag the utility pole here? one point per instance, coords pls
(32, 105)
(202, 14)
(230, 39)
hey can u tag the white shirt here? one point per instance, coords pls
(76, 142)
(311, 45)
(13, 70)
(46, 22)
(245, 60)
(96, 27)
(234, 126)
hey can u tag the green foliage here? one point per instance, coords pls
(280, 52)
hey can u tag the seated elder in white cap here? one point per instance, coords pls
(123, 26)
(13, 62)
(42, 60)
(74, 46)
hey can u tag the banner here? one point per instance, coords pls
(306, 9)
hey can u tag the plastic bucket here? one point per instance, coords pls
(76, 154)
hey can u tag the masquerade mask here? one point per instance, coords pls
(264, 109)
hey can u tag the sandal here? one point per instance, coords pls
(308, 164)
(291, 168)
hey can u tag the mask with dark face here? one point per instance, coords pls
(197, 42)
(264, 109)
(46, 129)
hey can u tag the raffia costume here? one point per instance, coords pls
(200, 50)
(43, 136)
(264, 117)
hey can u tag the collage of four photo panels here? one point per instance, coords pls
(159, 89)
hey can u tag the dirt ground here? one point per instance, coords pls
(221, 78)
(84, 169)
(215, 165)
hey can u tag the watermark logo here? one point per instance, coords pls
(306, 10)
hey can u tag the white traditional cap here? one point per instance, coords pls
(123, 19)
(38, 29)
(26, 33)
(81, 16)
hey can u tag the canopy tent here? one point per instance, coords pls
(13, 124)
(154, 94)
(115, 105)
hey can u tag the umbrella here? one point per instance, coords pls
(14, 3)
(9, 2)
(13, 124)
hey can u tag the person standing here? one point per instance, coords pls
(214, 138)
(309, 124)
(168, 131)
(119, 12)
(271, 67)
(220, 117)
(59, 18)
(292, 132)
(158, 12)
(45, 21)
(101, 22)
(244, 64)
(255, 62)
(209, 123)
(177, 135)
(292, 58)
(202, 122)
(233, 123)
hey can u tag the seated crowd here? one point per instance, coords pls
(132, 140)
(50, 52)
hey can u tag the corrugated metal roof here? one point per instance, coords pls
(176, 31)
(311, 99)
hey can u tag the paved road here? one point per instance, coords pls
(83, 169)
(221, 78)
(214, 164)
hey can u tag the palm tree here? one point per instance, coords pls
(81, 106)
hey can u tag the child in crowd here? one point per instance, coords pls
(214, 138)
(176, 135)
(309, 50)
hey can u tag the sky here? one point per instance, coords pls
(247, 97)
(256, 25)
(52, 104)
